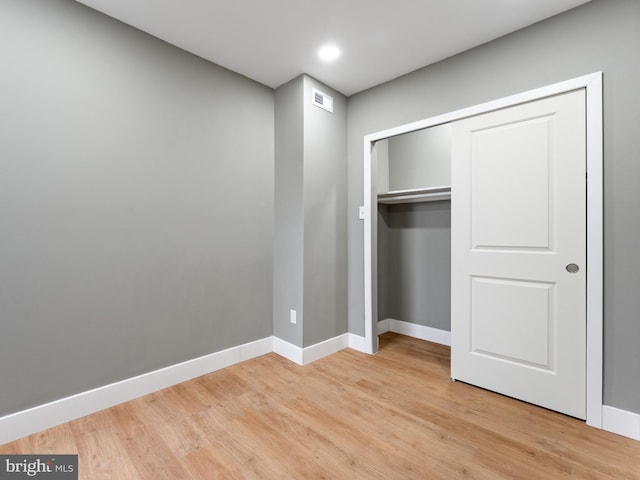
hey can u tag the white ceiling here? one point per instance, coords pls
(273, 41)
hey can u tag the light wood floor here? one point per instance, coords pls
(394, 415)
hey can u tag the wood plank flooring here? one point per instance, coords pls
(395, 415)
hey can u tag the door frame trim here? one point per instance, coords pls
(592, 84)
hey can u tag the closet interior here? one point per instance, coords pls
(413, 177)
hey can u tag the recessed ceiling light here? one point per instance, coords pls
(329, 53)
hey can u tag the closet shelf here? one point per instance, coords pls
(416, 195)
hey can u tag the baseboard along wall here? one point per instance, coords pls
(304, 356)
(422, 332)
(621, 422)
(36, 419)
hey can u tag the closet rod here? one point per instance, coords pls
(415, 195)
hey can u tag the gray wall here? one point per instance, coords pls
(136, 203)
(420, 159)
(325, 216)
(414, 263)
(288, 253)
(310, 255)
(603, 35)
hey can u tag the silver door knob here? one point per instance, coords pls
(572, 268)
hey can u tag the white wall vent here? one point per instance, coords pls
(322, 100)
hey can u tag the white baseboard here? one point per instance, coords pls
(324, 349)
(430, 334)
(287, 350)
(621, 422)
(304, 356)
(32, 420)
(36, 419)
(384, 326)
(358, 343)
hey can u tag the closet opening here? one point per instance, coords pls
(414, 233)
(402, 211)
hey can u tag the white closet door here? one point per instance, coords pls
(518, 232)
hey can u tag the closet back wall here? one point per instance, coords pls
(414, 263)
(136, 200)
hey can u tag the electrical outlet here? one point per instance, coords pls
(292, 316)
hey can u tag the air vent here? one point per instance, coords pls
(322, 100)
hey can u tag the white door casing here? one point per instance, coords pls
(518, 316)
(592, 83)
